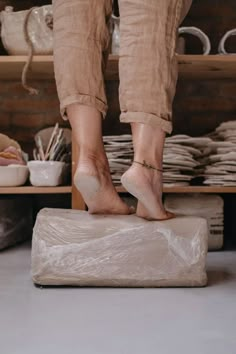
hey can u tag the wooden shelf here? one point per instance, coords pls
(190, 66)
(35, 190)
(193, 189)
(11, 67)
(68, 190)
(207, 67)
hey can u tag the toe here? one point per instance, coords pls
(170, 215)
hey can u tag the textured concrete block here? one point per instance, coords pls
(74, 248)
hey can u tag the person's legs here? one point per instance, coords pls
(92, 177)
(81, 39)
(148, 76)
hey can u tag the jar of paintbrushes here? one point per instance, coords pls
(52, 157)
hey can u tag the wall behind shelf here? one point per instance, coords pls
(198, 108)
(21, 115)
(199, 105)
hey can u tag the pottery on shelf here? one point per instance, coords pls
(13, 175)
(199, 34)
(46, 173)
(115, 48)
(18, 28)
(222, 49)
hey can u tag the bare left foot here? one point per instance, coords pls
(146, 185)
(144, 213)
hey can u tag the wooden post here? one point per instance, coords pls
(77, 200)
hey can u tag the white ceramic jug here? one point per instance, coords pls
(116, 36)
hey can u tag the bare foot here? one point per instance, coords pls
(146, 185)
(94, 182)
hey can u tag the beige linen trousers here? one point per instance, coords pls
(148, 66)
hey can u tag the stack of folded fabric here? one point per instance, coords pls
(220, 166)
(181, 154)
(119, 150)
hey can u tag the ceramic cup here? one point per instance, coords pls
(46, 173)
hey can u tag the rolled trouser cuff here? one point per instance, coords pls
(147, 118)
(85, 100)
(81, 40)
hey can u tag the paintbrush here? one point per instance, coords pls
(51, 140)
(40, 148)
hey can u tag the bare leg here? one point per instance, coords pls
(146, 184)
(92, 177)
(148, 76)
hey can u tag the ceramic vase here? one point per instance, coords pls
(116, 35)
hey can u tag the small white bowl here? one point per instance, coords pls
(13, 175)
(46, 173)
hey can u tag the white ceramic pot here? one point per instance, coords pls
(222, 49)
(200, 34)
(115, 49)
(13, 175)
(34, 22)
(46, 173)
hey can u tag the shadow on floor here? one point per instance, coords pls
(218, 276)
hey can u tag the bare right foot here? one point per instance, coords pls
(146, 185)
(92, 177)
(94, 182)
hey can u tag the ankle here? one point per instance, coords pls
(144, 160)
(93, 158)
(148, 166)
(92, 154)
(148, 144)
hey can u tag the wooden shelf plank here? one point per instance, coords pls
(42, 67)
(11, 67)
(201, 189)
(190, 66)
(207, 67)
(35, 190)
(68, 190)
(193, 189)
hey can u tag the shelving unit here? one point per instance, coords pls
(190, 66)
(36, 190)
(68, 190)
(193, 189)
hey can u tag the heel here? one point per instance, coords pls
(129, 186)
(87, 185)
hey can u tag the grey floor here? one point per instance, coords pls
(116, 321)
